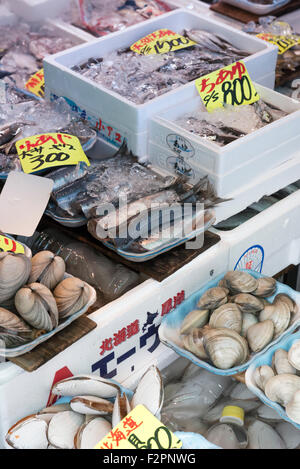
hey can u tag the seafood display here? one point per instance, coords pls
(100, 17)
(33, 117)
(36, 296)
(235, 320)
(228, 124)
(24, 48)
(146, 77)
(96, 405)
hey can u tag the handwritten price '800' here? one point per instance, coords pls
(234, 92)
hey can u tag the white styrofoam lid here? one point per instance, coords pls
(23, 200)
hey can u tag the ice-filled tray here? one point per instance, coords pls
(258, 8)
(266, 359)
(17, 351)
(170, 336)
(111, 109)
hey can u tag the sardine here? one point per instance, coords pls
(66, 175)
(66, 196)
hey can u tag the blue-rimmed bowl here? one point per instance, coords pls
(169, 331)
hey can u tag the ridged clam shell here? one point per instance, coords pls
(71, 295)
(281, 388)
(85, 385)
(287, 300)
(280, 314)
(12, 322)
(240, 282)
(14, 273)
(28, 433)
(262, 374)
(281, 362)
(149, 391)
(63, 428)
(90, 433)
(193, 342)
(266, 287)
(196, 318)
(225, 347)
(294, 355)
(121, 409)
(37, 306)
(47, 268)
(225, 436)
(248, 320)
(263, 436)
(91, 405)
(213, 298)
(228, 316)
(248, 303)
(293, 407)
(260, 334)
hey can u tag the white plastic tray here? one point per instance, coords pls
(257, 8)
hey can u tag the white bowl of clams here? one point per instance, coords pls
(232, 320)
(37, 300)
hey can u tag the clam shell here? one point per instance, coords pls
(71, 295)
(149, 391)
(85, 385)
(14, 273)
(91, 405)
(260, 334)
(294, 355)
(193, 342)
(267, 414)
(293, 407)
(262, 374)
(281, 388)
(37, 306)
(266, 287)
(228, 316)
(280, 314)
(241, 392)
(47, 268)
(289, 434)
(263, 436)
(90, 433)
(281, 363)
(248, 303)
(248, 320)
(196, 318)
(63, 427)
(225, 347)
(240, 282)
(28, 433)
(213, 298)
(224, 435)
(288, 301)
(121, 409)
(12, 322)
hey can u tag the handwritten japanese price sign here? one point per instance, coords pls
(36, 84)
(161, 42)
(283, 43)
(49, 150)
(140, 430)
(229, 85)
(8, 244)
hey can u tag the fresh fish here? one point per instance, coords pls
(66, 196)
(66, 175)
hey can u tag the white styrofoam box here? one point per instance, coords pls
(260, 9)
(120, 359)
(119, 111)
(7, 17)
(38, 10)
(71, 31)
(268, 242)
(236, 164)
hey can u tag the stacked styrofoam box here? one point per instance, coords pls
(125, 117)
(270, 240)
(231, 168)
(132, 356)
(39, 10)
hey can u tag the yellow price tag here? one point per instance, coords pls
(161, 42)
(230, 85)
(45, 151)
(283, 43)
(8, 244)
(140, 430)
(36, 84)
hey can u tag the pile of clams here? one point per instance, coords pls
(97, 405)
(234, 320)
(35, 296)
(281, 381)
